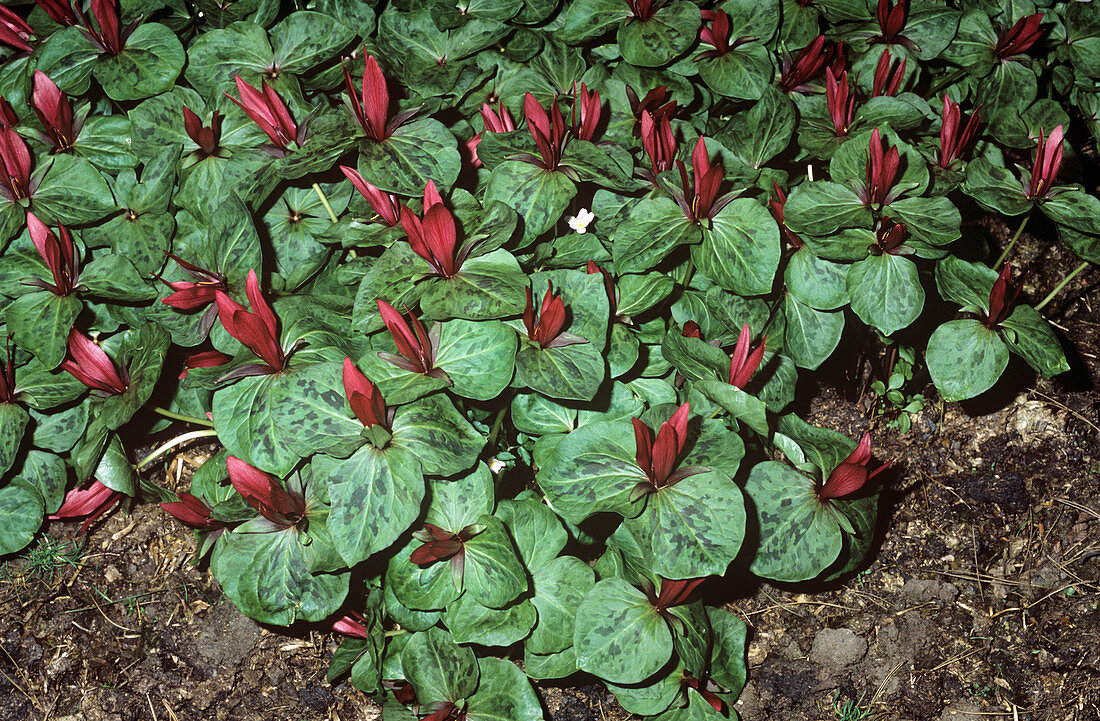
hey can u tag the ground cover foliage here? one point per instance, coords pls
(498, 310)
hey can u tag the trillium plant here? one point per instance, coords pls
(496, 312)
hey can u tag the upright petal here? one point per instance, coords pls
(376, 98)
(440, 236)
(259, 305)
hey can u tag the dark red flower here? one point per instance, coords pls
(498, 121)
(653, 103)
(890, 237)
(53, 110)
(90, 365)
(812, 59)
(697, 199)
(439, 545)
(717, 34)
(954, 136)
(658, 142)
(62, 12)
(643, 9)
(364, 397)
(657, 457)
(193, 511)
(416, 345)
(14, 30)
(1018, 38)
(206, 137)
(775, 205)
(586, 112)
(548, 130)
(192, 295)
(275, 503)
(93, 502)
(891, 19)
(15, 175)
(1002, 297)
(383, 203)
(205, 359)
(268, 111)
(111, 37)
(353, 625)
(546, 328)
(882, 172)
(851, 474)
(7, 376)
(743, 363)
(371, 107)
(840, 102)
(59, 254)
(888, 78)
(434, 239)
(257, 330)
(1048, 161)
(704, 690)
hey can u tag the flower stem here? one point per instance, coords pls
(173, 443)
(181, 417)
(1012, 243)
(324, 202)
(1058, 288)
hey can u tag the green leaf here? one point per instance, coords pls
(654, 697)
(639, 293)
(13, 421)
(149, 63)
(572, 372)
(965, 358)
(415, 153)
(141, 350)
(736, 402)
(973, 45)
(1011, 87)
(812, 335)
(72, 192)
(731, 639)
(740, 250)
(113, 277)
(105, 142)
(535, 414)
(266, 577)
(592, 470)
(142, 240)
(493, 575)
(763, 131)
(249, 428)
(933, 220)
(744, 72)
(585, 19)
(886, 292)
(662, 38)
(421, 588)
(994, 188)
(216, 56)
(560, 587)
(821, 284)
(470, 622)
(40, 322)
(618, 635)
(539, 196)
(59, 431)
(310, 408)
(438, 668)
(478, 356)
(67, 57)
(432, 430)
(303, 40)
(41, 389)
(1074, 208)
(1033, 338)
(798, 537)
(966, 283)
(821, 207)
(20, 516)
(655, 227)
(376, 496)
(503, 694)
(692, 528)
(233, 245)
(486, 287)
(551, 665)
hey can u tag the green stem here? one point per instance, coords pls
(395, 632)
(173, 443)
(1012, 243)
(181, 417)
(947, 80)
(324, 202)
(494, 431)
(1058, 288)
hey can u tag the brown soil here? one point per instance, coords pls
(981, 603)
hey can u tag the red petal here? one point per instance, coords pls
(376, 98)
(402, 335)
(643, 442)
(439, 233)
(845, 479)
(93, 363)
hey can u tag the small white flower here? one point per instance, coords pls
(580, 221)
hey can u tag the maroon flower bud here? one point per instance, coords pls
(92, 502)
(257, 330)
(90, 365)
(743, 363)
(954, 136)
(1048, 161)
(851, 474)
(1018, 38)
